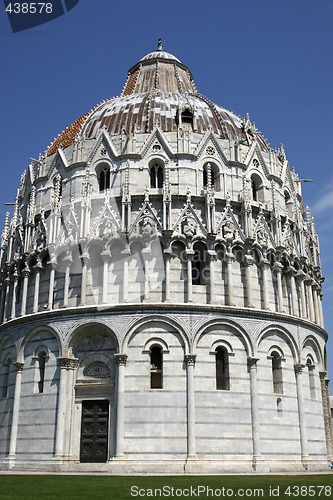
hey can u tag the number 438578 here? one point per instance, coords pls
(29, 8)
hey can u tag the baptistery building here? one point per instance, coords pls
(161, 304)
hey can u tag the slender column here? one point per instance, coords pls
(16, 408)
(315, 303)
(25, 274)
(301, 414)
(324, 380)
(310, 298)
(38, 268)
(121, 361)
(278, 269)
(248, 262)
(254, 410)
(167, 254)
(146, 256)
(190, 361)
(126, 253)
(264, 264)
(85, 261)
(66, 364)
(300, 275)
(14, 292)
(321, 309)
(230, 258)
(294, 309)
(51, 285)
(106, 255)
(189, 254)
(212, 260)
(6, 306)
(68, 262)
(2, 303)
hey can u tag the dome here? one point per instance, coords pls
(157, 89)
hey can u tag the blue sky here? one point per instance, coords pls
(272, 59)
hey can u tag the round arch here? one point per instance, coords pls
(313, 342)
(156, 319)
(34, 331)
(90, 327)
(241, 333)
(285, 333)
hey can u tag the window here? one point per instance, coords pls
(279, 407)
(198, 265)
(41, 371)
(5, 378)
(156, 367)
(222, 369)
(256, 188)
(310, 366)
(156, 175)
(187, 119)
(277, 373)
(104, 179)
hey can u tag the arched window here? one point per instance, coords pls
(5, 378)
(156, 175)
(311, 367)
(156, 367)
(198, 265)
(277, 373)
(187, 119)
(41, 371)
(104, 179)
(222, 369)
(279, 407)
(256, 188)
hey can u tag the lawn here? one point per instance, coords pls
(56, 487)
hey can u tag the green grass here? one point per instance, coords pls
(54, 487)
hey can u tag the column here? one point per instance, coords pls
(321, 309)
(146, 258)
(6, 305)
(13, 311)
(68, 262)
(264, 265)
(254, 410)
(229, 259)
(324, 380)
(38, 268)
(248, 262)
(189, 254)
(190, 361)
(85, 261)
(126, 253)
(300, 275)
(212, 259)
(167, 254)
(278, 267)
(121, 361)
(51, 285)
(16, 408)
(2, 302)
(315, 303)
(294, 309)
(106, 256)
(301, 414)
(308, 282)
(25, 274)
(66, 364)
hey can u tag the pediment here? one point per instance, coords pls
(107, 225)
(156, 143)
(209, 147)
(188, 224)
(228, 228)
(103, 148)
(147, 223)
(262, 233)
(59, 162)
(255, 160)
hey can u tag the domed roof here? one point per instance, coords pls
(161, 55)
(157, 90)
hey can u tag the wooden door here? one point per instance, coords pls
(94, 431)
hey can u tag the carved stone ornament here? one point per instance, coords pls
(147, 226)
(121, 359)
(97, 370)
(190, 359)
(108, 231)
(96, 342)
(228, 231)
(261, 237)
(189, 227)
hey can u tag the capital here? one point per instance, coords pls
(252, 362)
(298, 367)
(190, 359)
(68, 363)
(121, 359)
(19, 366)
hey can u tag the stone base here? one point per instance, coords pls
(191, 466)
